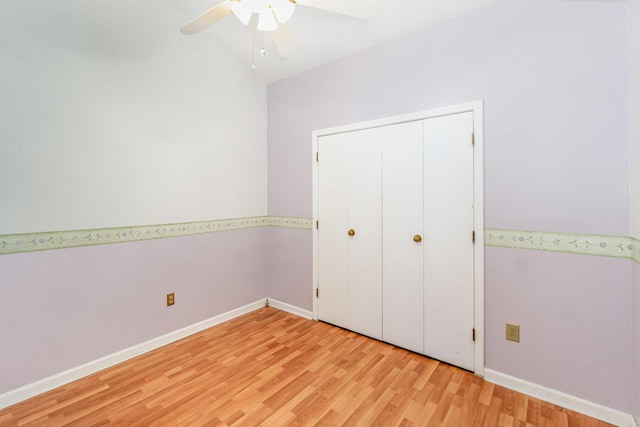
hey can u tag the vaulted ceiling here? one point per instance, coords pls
(320, 36)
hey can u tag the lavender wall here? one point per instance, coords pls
(634, 142)
(62, 308)
(634, 125)
(553, 76)
(554, 81)
(290, 267)
(110, 117)
(575, 322)
(636, 340)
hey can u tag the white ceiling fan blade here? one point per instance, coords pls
(283, 9)
(207, 19)
(283, 41)
(242, 10)
(355, 8)
(267, 21)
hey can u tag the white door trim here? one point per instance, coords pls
(478, 194)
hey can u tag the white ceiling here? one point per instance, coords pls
(321, 37)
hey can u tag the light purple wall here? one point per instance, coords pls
(62, 308)
(290, 266)
(636, 337)
(575, 322)
(634, 142)
(109, 117)
(119, 125)
(553, 77)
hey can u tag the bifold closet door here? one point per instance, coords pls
(448, 245)
(332, 244)
(395, 248)
(350, 231)
(402, 212)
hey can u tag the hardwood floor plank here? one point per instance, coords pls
(271, 368)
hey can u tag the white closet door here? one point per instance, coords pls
(402, 211)
(332, 242)
(364, 205)
(350, 198)
(448, 254)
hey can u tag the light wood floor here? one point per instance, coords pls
(272, 368)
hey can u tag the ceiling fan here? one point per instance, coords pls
(272, 16)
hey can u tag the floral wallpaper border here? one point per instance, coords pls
(583, 244)
(291, 222)
(31, 242)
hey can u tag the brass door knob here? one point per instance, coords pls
(417, 238)
(351, 232)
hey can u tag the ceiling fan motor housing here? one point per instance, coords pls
(270, 12)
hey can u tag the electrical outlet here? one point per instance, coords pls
(513, 332)
(171, 299)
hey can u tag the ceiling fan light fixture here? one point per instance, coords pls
(270, 12)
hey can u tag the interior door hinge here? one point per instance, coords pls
(317, 156)
(473, 236)
(317, 292)
(473, 139)
(317, 225)
(474, 334)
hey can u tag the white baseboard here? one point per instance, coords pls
(30, 390)
(289, 308)
(568, 401)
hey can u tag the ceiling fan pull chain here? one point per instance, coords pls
(262, 51)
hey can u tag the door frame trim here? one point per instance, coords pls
(476, 108)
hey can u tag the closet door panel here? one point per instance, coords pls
(448, 257)
(403, 295)
(332, 242)
(364, 206)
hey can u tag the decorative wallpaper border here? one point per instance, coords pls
(583, 244)
(291, 222)
(32, 242)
